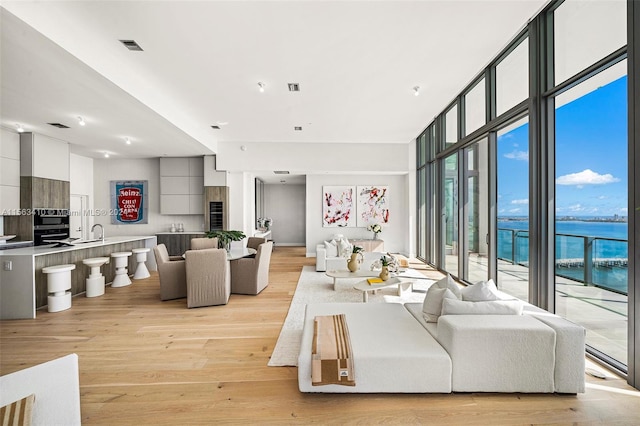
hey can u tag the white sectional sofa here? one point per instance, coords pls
(396, 351)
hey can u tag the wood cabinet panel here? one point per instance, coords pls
(177, 243)
(216, 193)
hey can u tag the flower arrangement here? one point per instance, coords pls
(376, 228)
(386, 260)
(356, 249)
(264, 223)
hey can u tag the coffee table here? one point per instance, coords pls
(360, 273)
(403, 284)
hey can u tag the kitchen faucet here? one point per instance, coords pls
(101, 231)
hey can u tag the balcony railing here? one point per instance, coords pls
(596, 261)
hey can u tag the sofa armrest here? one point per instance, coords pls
(570, 348)
(321, 258)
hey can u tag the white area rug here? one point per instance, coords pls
(316, 287)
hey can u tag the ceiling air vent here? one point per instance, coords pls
(131, 45)
(215, 127)
(294, 87)
(297, 128)
(58, 125)
(281, 172)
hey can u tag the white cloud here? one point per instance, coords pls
(518, 155)
(624, 210)
(586, 177)
(514, 210)
(523, 201)
(576, 208)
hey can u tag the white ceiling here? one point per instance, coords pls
(356, 63)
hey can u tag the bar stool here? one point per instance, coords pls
(141, 257)
(121, 279)
(58, 287)
(95, 281)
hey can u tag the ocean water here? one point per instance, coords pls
(513, 240)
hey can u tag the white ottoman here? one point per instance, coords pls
(141, 269)
(121, 261)
(58, 287)
(95, 281)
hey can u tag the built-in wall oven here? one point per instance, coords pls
(50, 225)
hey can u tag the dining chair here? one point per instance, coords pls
(208, 277)
(251, 275)
(254, 242)
(171, 272)
(204, 243)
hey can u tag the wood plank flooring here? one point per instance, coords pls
(143, 361)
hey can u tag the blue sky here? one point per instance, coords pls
(591, 157)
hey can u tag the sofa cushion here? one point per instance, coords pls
(488, 307)
(332, 248)
(448, 282)
(432, 306)
(344, 248)
(481, 291)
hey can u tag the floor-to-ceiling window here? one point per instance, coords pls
(476, 211)
(513, 208)
(552, 227)
(591, 256)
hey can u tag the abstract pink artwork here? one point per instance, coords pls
(373, 205)
(338, 208)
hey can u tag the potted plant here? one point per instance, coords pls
(356, 258)
(225, 237)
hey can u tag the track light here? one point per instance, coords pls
(416, 90)
(19, 128)
(106, 155)
(261, 86)
(127, 141)
(81, 121)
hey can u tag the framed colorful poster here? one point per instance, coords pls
(338, 209)
(373, 205)
(129, 202)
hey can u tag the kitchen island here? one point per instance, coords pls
(23, 285)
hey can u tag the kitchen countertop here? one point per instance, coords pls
(49, 249)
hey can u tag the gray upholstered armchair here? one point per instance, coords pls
(171, 272)
(208, 277)
(251, 275)
(204, 243)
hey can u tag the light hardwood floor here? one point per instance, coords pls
(143, 361)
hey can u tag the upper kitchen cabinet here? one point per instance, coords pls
(181, 185)
(44, 172)
(44, 157)
(9, 172)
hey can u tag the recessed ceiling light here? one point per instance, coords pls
(81, 121)
(261, 86)
(222, 123)
(106, 155)
(294, 87)
(127, 141)
(416, 90)
(19, 128)
(131, 45)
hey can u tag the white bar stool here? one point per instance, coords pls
(141, 257)
(58, 287)
(95, 281)
(121, 261)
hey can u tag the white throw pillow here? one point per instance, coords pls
(488, 307)
(432, 305)
(332, 248)
(448, 282)
(344, 248)
(481, 291)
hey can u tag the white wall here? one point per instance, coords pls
(286, 205)
(9, 173)
(395, 234)
(136, 169)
